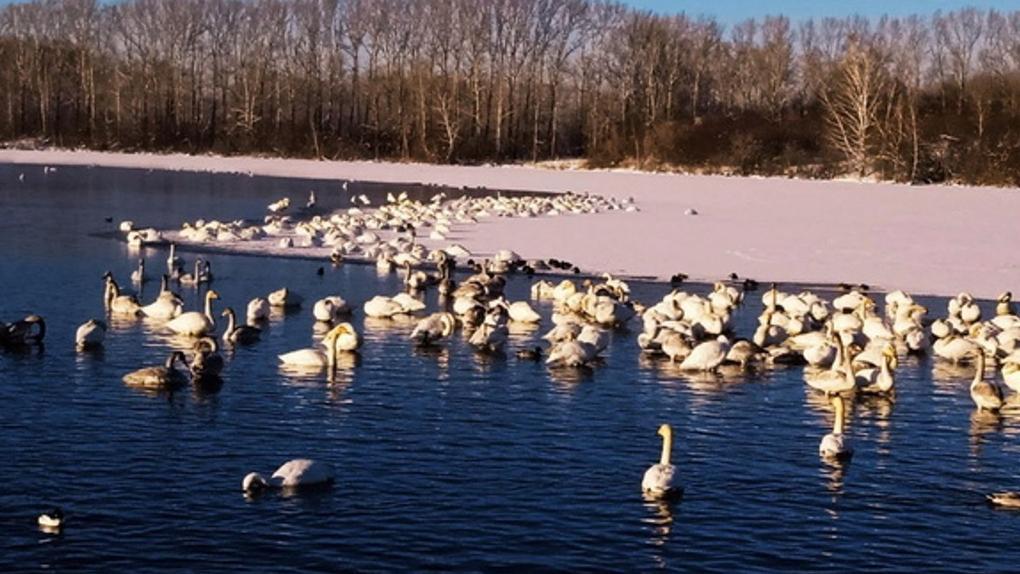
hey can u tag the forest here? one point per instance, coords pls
(915, 99)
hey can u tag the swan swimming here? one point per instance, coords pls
(836, 445)
(293, 474)
(660, 480)
(313, 357)
(238, 334)
(90, 334)
(193, 323)
(986, 394)
(164, 376)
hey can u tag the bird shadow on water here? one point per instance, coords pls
(983, 424)
(834, 470)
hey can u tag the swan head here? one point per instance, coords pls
(253, 484)
(665, 430)
(212, 295)
(1005, 297)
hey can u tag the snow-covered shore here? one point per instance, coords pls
(925, 239)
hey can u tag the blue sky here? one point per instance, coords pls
(729, 11)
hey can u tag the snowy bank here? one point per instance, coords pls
(924, 239)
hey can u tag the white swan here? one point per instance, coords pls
(279, 206)
(330, 309)
(194, 323)
(522, 312)
(492, 333)
(166, 306)
(707, 356)
(285, 298)
(258, 310)
(881, 380)
(836, 444)
(571, 354)
(90, 334)
(1011, 374)
(238, 334)
(138, 275)
(381, 307)
(839, 378)
(955, 348)
(52, 520)
(315, 358)
(165, 376)
(117, 303)
(660, 480)
(433, 328)
(986, 394)
(347, 339)
(173, 262)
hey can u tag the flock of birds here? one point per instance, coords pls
(846, 345)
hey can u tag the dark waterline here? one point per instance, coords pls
(446, 460)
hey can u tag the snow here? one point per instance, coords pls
(924, 239)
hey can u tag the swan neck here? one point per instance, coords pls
(667, 447)
(231, 321)
(208, 308)
(979, 373)
(837, 423)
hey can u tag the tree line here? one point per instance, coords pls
(929, 98)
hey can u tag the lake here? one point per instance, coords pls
(446, 460)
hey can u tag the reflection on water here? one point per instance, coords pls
(448, 459)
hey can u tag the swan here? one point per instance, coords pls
(207, 361)
(1004, 304)
(707, 356)
(165, 376)
(433, 328)
(1005, 499)
(173, 262)
(285, 298)
(314, 357)
(381, 307)
(881, 380)
(742, 352)
(293, 474)
(279, 206)
(117, 303)
(955, 348)
(660, 480)
(492, 333)
(571, 354)
(258, 310)
(330, 309)
(194, 323)
(138, 275)
(166, 306)
(347, 338)
(836, 445)
(522, 312)
(238, 334)
(408, 304)
(90, 334)
(27, 331)
(674, 345)
(193, 278)
(986, 394)
(53, 519)
(838, 379)
(1011, 374)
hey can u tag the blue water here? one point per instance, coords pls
(446, 460)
